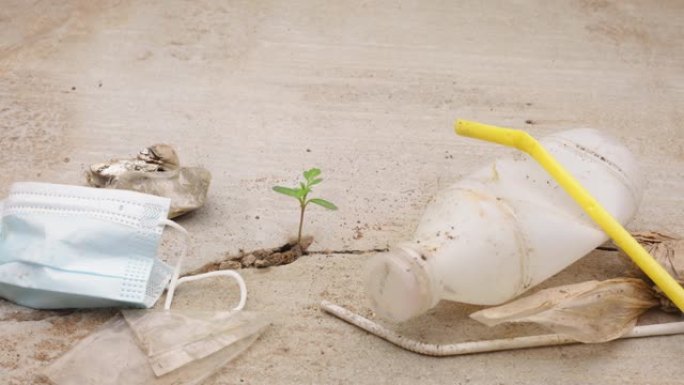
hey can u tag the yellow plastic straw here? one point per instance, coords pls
(623, 239)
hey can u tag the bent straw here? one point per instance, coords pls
(525, 142)
(484, 346)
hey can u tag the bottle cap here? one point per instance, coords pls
(398, 286)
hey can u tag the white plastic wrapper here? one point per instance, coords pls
(155, 170)
(187, 187)
(158, 348)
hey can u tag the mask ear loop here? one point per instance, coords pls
(175, 280)
(226, 273)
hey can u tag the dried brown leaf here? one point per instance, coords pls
(589, 311)
(648, 237)
(668, 250)
(670, 254)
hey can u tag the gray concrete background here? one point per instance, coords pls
(256, 91)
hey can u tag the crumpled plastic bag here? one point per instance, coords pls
(172, 339)
(156, 170)
(588, 312)
(148, 347)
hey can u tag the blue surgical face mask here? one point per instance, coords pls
(77, 247)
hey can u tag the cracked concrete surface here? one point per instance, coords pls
(257, 91)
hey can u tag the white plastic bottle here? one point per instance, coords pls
(505, 228)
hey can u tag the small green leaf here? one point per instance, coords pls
(311, 174)
(301, 193)
(295, 193)
(323, 203)
(315, 181)
(303, 187)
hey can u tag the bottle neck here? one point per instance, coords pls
(401, 284)
(425, 262)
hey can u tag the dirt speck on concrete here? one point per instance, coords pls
(41, 356)
(9, 360)
(31, 315)
(357, 233)
(65, 325)
(49, 349)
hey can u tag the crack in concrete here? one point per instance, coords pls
(353, 251)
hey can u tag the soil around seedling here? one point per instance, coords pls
(261, 258)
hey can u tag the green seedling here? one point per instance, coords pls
(301, 193)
